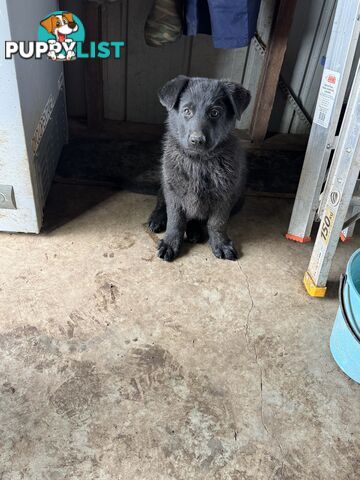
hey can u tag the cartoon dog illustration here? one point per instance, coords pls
(60, 26)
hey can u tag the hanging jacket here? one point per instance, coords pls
(232, 23)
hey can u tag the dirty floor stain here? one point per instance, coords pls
(116, 365)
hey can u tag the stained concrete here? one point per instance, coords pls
(116, 365)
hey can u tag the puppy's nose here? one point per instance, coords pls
(197, 138)
(72, 24)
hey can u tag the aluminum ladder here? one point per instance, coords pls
(336, 208)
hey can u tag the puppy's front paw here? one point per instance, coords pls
(166, 251)
(225, 251)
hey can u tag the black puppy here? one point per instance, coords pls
(203, 165)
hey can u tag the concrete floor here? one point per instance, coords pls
(116, 365)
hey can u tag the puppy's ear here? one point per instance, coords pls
(69, 17)
(169, 94)
(48, 23)
(238, 96)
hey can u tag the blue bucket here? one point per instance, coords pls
(345, 336)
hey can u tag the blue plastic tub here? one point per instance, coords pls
(345, 337)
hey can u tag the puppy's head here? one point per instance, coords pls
(62, 24)
(202, 112)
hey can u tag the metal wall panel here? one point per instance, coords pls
(114, 27)
(149, 68)
(131, 84)
(302, 68)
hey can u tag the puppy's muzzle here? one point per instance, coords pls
(197, 139)
(72, 25)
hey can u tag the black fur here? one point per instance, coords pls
(203, 165)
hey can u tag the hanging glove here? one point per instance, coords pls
(164, 23)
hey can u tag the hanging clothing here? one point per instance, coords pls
(164, 23)
(232, 23)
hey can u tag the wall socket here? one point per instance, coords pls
(7, 197)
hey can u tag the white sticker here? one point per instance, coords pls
(326, 99)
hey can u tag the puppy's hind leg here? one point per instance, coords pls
(158, 218)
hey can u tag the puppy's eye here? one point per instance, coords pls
(214, 113)
(65, 21)
(58, 24)
(187, 112)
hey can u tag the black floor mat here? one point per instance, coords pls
(135, 166)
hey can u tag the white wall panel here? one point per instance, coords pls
(28, 88)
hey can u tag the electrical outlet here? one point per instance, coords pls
(7, 197)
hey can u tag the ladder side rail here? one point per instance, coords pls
(346, 173)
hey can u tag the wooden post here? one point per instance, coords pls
(93, 69)
(274, 58)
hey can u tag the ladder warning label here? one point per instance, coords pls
(326, 99)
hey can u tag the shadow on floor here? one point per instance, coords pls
(135, 166)
(107, 166)
(68, 201)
